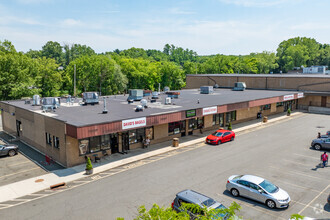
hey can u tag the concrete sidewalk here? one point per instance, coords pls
(33, 185)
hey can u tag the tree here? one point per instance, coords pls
(75, 51)
(165, 213)
(52, 50)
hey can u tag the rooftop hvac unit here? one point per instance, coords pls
(239, 86)
(50, 103)
(206, 89)
(173, 95)
(90, 98)
(135, 94)
(36, 100)
(147, 92)
(166, 89)
(154, 95)
(168, 101)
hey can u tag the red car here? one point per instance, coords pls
(220, 136)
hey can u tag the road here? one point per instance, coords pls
(280, 153)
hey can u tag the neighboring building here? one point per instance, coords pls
(73, 130)
(316, 88)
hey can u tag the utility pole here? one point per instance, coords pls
(74, 81)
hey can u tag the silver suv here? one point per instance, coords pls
(190, 196)
(321, 143)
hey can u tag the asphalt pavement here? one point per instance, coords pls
(117, 189)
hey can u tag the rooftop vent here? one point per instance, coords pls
(90, 98)
(144, 103)
(50, 103)
(206, 89)
(135, 94)
(36, 100)
(239, 86)
(105, 110)
(139, 108)
(216, 86)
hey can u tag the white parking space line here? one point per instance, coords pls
(251, 206)
(295, 185)
(314, 158)
(308, 205)
(19, 172)
(295, 162)
(303, 174)
(15, 164)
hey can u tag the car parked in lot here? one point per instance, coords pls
(220, 136)
(258, 189)
(321, 143)
(190, 196)
(8, 149)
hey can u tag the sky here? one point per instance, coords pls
(231, 27)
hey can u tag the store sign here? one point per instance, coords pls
(210, 110)
(191, 113)
(134, 123)
(300, 95)
(288, 97)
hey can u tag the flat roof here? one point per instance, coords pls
(302, 75)
(119, 109)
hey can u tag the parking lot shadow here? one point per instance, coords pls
(252, 202)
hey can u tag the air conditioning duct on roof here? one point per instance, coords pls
(50, 103)
(206, 89)
(239, 86)
(90, 98)
(168, 101)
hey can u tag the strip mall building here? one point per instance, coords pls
(73, 130)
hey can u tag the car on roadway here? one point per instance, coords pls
(258, 189)
(321, 143)
(220, 136)
(8, 149)
(191, 197)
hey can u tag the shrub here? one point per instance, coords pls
(289, 111)
(229, 126)
(89, 165)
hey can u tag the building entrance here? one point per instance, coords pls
(114, 143)
(125, 142)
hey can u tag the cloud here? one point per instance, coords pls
(5, 20)
(256, 3)
(178, 11)
(27, 2)
(70, 23)
(309, 26)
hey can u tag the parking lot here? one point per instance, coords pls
(292, 166)
(21, 166)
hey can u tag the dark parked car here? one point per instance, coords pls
(8, 149)
(321, 143)
(220, 136)
(190, 196)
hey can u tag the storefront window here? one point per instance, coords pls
(265, 107)
(279, 104)
(200, 122)
(105, 142)
(230, 116)
(132, 136)
(176, 127)
(94, 144)
(192, 124)
(218, 119)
